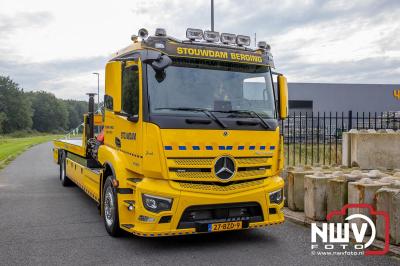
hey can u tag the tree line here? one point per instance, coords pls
(40, 111)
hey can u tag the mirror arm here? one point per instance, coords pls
(133, 118)
(276, 73)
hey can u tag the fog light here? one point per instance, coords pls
(155, 203)
(146, 219)
(276, 197)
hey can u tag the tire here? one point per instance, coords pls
(65, 181)
(110, 208)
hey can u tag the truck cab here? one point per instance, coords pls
(191, 137)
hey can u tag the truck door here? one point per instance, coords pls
(126, 118)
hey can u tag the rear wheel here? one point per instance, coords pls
(110, 208)
(65, 181)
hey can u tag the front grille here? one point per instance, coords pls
(222, 187)
(252, 160)
(200, 175)
(205, 173)
(186, 169)
(192, 161)
(250, 173)
(196, 216)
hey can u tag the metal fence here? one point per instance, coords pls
(316, 138)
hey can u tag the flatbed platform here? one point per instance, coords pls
(71, 145)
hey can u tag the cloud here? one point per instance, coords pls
(312, 40)
(22, 20)
(65, 78)
(378, 70)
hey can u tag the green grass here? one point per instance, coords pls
(312, 153)
(10, 148)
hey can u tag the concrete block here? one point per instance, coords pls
(346, 150)
(391, 180)
(295, 190)
(337, 193)
(356, 174)
(315, 198)
(284, 175)
(396, 175)
(374, 174)
(363, 191)
(371, 150)
(324, 169)
(388, 200)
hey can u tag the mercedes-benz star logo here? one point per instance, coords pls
(224, 168)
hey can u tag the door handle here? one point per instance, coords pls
(117, 142)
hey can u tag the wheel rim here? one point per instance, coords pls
(109, 207)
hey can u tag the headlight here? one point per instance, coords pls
(276, 197)
(156, 204)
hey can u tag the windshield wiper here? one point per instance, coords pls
(252, 113)
(190, 109)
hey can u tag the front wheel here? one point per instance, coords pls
(110, 207)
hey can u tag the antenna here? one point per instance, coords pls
(255, 39)
(212, 15)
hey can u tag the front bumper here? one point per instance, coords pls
(187, 198)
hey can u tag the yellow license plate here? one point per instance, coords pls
(224, 226)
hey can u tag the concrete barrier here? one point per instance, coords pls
(397, 175)
(337, 192)
(388, 200)
(363, 191)
(284, 175)
(295, 190)
(370, 149)
(374, 174)
(315, 198)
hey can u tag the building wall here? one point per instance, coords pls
(328, 97)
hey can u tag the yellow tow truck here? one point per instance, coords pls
(191, 140)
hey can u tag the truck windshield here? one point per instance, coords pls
(219, 87)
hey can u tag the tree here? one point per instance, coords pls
(15, 105)
(50, 114)
(41, 110)
(76, 109)
(3, 118)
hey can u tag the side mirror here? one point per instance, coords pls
(283, 97)
(113, 84)
(158, 61)
(161, 63)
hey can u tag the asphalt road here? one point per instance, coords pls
(42, 222)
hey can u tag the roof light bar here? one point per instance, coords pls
(264, 45)
(161, 32)
(242, 40)
(194, 34)
(211, 36)
(228, 38)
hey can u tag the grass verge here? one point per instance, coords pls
(10, 148)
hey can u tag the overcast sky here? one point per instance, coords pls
(56, 45)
